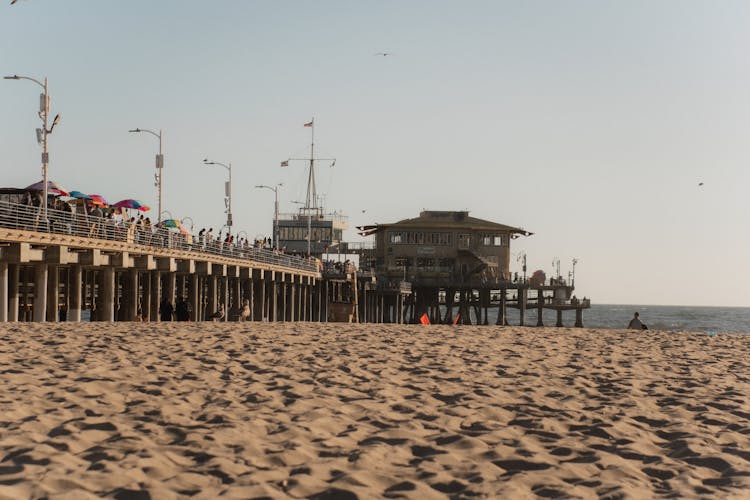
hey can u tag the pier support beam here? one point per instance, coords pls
(131, 299)
(579, 317)
(13, 275)
(146, 299)
(501, 309)
(212, 304)
(522, 305)
(75, 278)
(40, 292)
(155, 295)
(540, 308)
(559, 318)
(293, 309)
(107, 292)
(3, 292)
(194, 297)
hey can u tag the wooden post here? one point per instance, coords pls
(13, 275)
(579, 317)
(107, 301)
(3, 292)
(559, 318)
(540, 307)
(40, 292)
(155, 295)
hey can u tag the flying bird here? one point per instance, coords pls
(383, 54)
(13, 1)
(700, 183)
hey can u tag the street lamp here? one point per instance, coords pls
(158, 177)
(42, 133)
(227, 190)
(275, 190)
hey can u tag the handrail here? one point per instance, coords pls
(29, 218)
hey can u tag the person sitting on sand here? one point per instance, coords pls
(636, 324)
(219, 314)
(245, 311)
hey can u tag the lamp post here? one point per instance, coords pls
(275, 190)
(43, 133)
(158, 177)
(227, 190)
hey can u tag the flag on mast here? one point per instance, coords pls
(285, 163)
(309, 124)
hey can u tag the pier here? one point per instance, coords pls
(74, 267)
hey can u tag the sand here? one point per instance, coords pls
(295, 410)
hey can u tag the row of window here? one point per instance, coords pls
(445, 239)
(300, 234)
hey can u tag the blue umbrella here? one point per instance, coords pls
(79, 195)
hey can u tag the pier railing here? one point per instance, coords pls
(30, 218)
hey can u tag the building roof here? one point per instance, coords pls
(435, 219)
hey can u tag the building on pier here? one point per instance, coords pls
(452, 266)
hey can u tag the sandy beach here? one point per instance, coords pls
(180, 410)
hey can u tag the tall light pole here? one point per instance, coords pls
(275, 190)
(227, 190)
(159, 176)
(43, 133)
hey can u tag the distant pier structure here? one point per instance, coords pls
(452, 267)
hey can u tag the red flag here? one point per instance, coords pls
(310, 124)
(425, 320)
(285, 163)
(458, 316)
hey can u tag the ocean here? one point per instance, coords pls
(668, 318)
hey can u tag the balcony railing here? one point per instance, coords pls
(29, 218)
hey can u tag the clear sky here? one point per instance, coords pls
(588, 123)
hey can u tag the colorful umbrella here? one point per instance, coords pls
(79, 195)
(130, 203)
(170, 223)
(96, 199)
(52, 187)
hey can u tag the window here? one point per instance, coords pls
(396, 238)
(424, 263)
(464, 240)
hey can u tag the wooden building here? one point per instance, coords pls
(451, 266)
(441, 248)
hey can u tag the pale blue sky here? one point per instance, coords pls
(588, 123)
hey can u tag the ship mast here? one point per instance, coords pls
(311, 199)
(312, 194)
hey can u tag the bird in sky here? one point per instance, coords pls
(700, 183)
(13, 1)
(383, 54)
